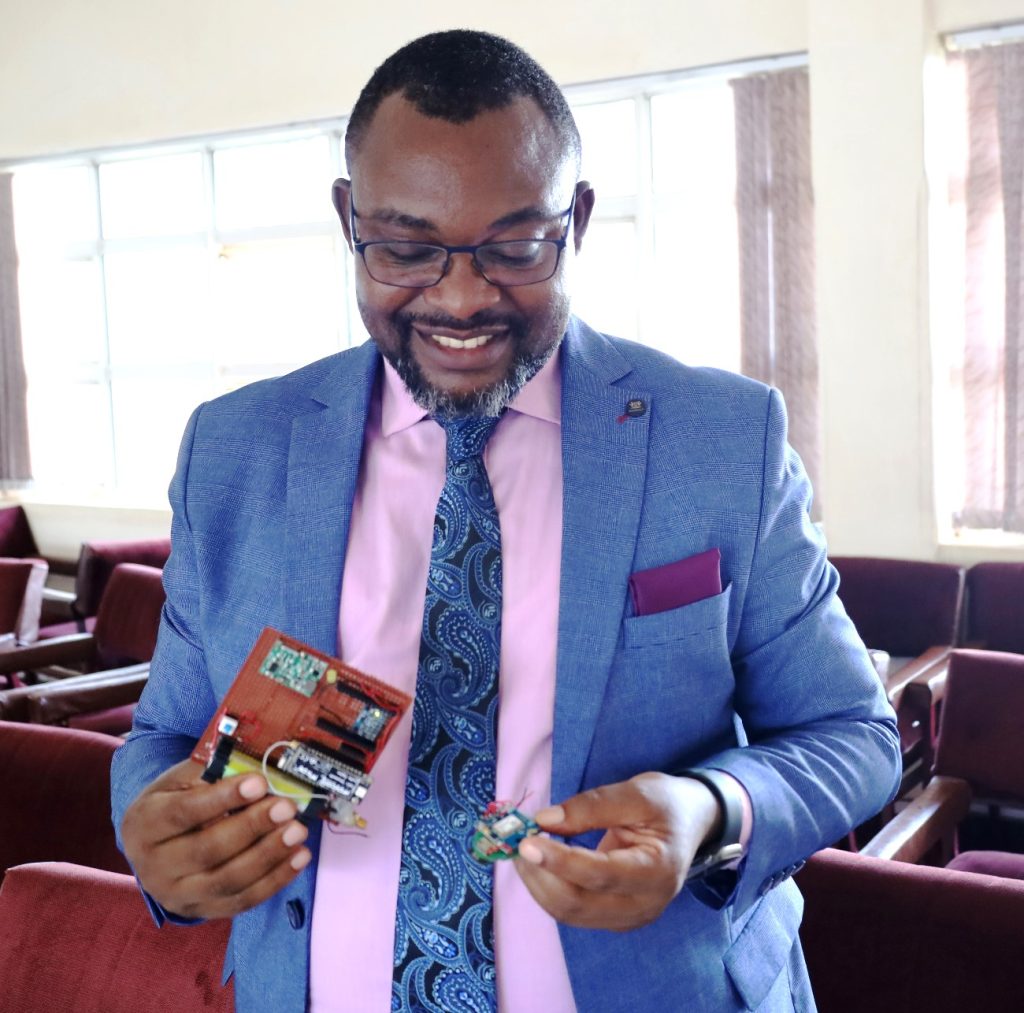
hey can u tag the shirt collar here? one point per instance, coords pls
(541, 398)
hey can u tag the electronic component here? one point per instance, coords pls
(499, 832)
(312, 725)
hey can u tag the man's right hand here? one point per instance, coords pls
(212, 850)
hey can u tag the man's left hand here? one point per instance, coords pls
(654, 825)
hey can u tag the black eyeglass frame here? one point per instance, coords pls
(559, 244)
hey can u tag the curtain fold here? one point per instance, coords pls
(775, 211)
(993, 352)
(15, 464)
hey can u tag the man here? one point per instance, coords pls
(628, 654)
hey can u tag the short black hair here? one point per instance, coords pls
(455, 76)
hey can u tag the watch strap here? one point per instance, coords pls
(726, 847)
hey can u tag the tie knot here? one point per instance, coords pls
(467, 435)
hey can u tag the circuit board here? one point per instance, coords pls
(312, 724)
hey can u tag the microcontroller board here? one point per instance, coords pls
(311, 724)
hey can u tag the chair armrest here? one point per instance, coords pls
(915, 670)
(58, 651)
(54, 702)
(931, 819)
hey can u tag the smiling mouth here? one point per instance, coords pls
(478, 341)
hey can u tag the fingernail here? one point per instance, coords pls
(551, 815)
(252, 787)
(281, 811)
(293, 834)
(300, 859)
(531, 853)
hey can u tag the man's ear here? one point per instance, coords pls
(341, 196)
(584, 208)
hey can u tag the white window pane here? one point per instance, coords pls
(158, 306)
(608, 132)
(53, 207)
(694, 291)
(278, 302)
(150, 412)
(162, 196)
(606, 284)
(61, 313)
(274, 184)
(694, 140)
(69, 433)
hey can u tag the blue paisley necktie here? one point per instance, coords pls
(444, 930)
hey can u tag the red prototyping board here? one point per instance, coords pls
(312, 724)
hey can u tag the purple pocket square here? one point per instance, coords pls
(676, 584)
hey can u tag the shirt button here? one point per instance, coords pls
(296, 913)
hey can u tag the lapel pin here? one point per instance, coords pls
(635, 407)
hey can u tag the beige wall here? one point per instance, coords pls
(76, 75)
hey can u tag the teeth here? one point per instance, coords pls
(445, 342)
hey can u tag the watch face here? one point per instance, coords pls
(703, 865)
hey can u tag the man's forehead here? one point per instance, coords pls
(516, 142)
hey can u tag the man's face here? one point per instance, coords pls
(464, 346)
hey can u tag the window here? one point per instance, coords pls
(151, 281)
(979, 282)
(156, 278)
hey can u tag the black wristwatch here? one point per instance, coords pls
(727, 847)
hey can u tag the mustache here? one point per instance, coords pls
(483, 318)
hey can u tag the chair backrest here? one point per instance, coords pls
(57, 797)
(981, 731)
(80, 939)
(96, 563)
(900, 605)
(881, 935)
(21, 596)
(995, 606)
(129, 615)
(15, 534)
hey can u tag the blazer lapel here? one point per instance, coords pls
(604, 462)
(323, 469)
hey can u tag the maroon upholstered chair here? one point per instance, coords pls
(74, 938)
(101, 701)
(16, 537)
(21, 597)
(887, 936)
(979, 755)
(125, 632)
(57, 798)
(995, 607)
(913, 611)
(96, 562)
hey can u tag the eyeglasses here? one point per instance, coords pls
(508, 263)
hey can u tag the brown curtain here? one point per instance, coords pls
(775, 208)
(993, 353)
(15, 467)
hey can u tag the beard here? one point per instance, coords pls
(488, 401)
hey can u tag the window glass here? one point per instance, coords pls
(162, 196)
(608, 133)
(695, 283)
(606, 291)
(54, 207)
(158, 306)
(61, 313)
(274, 184)
(693, 147)
(277, 301)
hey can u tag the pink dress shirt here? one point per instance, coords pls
(382, 595)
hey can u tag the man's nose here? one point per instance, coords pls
(463, 290)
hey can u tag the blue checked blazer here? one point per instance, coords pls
(767, 680)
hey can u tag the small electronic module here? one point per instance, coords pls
(500, 831)
(312, 725)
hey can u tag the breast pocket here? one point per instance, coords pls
(699, 619)
(668, 700)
